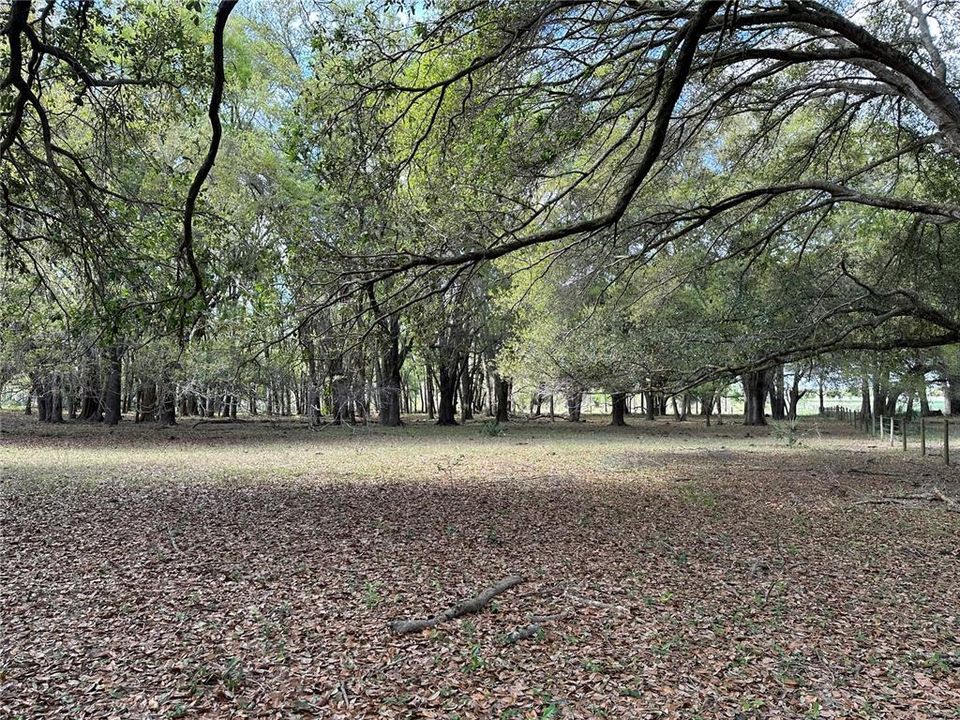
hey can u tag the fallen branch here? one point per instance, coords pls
(527, 631)
(879, 473)
(534, 628)
(950, 502)
(473, 605)
(935, 496)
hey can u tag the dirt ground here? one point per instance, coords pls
(669, 570)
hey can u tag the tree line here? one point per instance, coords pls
(470, 209)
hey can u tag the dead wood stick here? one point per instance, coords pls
(951, 503)
(527, 631)
(472, 605)
(881, 501)
(936, 495)
(534, 628)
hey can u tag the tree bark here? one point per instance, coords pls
(880, 390)
(865, 409)
(574, 403)
(168, 403)
(618, 409)
(649, 405)
(501, 388)
(778, 409)
(391, 364)
(755, 386)
(341, 398)
(431, 404)
(466, 391)
(448, 381)
(924, 402)
(112, 398)
(55, 414)
(951, 395)
(795, 394)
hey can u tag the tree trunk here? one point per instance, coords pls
(892, 400)
(112, 399)
(55, 413)
(880, 389)
(649, 405)
(865, 410)
(466, 391)
(148, 402)
(168, 403)
(448, 381)
(755, 386)
(778, 406)
(91, 409)
(795, 395)
(391, 381)
(924, 402)
(341, 399)
(618, 409)
(431, 404)
(574, 403)
(501, 389)
(951, 395)
(706, 407)
(313, 380)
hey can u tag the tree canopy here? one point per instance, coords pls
(362, 211)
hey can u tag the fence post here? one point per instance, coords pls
(904, 428)
(923, 436)
(891, 431)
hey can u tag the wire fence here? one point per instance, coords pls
(932, 435)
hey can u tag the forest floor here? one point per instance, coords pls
(675, 571)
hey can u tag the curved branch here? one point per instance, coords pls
(216, 96)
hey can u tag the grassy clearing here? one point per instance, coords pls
(250, 570)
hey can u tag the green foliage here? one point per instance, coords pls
(491, 428)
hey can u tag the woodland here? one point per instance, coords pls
(355, 213)
(479, 358)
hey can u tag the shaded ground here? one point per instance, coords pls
(251, 571)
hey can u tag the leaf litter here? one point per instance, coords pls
(244, 577)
